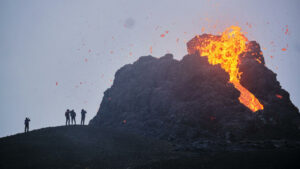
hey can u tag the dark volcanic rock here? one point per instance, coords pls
(190, 102)
(86, 147)
(279, 113)
(80, 147)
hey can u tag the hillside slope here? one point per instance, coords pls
(79, 147)
(82, 147)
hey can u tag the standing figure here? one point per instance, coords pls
(67, 114)
(73, 117)
(83, 112)
(27, 120)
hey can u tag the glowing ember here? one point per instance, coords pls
(278, 96)
(286, 30)
(225, 50)
(258, 60)
(249, 25)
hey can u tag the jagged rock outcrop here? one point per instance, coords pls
(190, 101)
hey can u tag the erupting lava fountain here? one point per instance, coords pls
(225, 50)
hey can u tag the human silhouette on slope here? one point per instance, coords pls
(83, 112)
(73, 117)
(67, 114)
(27, 120)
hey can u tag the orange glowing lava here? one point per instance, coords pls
(225, 50)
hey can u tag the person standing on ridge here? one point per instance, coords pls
(27, 120)
(67, 114)
(73, 117)
(83, 112)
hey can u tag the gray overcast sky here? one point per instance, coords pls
(59, 54)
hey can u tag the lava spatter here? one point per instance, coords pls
(225, 50)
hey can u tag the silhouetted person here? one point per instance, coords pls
(73, 117)
(83, 112)
(27, 120)
(67, 114)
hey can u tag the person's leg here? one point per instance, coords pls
(83, 120)
(25, 129)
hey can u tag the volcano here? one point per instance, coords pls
(221, 92)
(218, 107)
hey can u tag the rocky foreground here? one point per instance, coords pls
(82, 147)
(79, 147)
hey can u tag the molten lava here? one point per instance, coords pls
(225, 50)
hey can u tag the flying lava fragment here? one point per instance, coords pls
(225, 50)
(286, 30)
